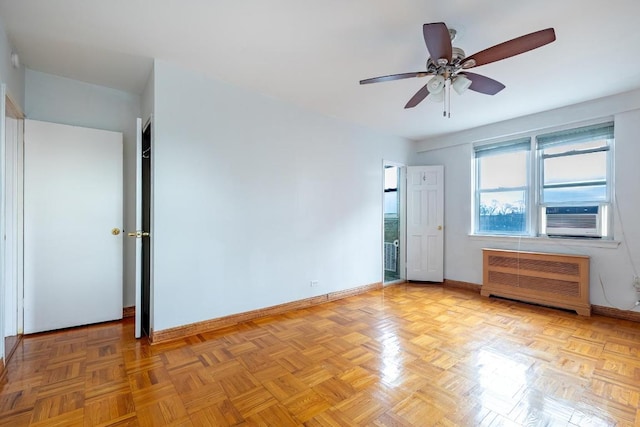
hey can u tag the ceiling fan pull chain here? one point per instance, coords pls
(447, 98)
(449, 94)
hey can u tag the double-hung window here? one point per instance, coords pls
(518, 182)
(502, 187)
(575, 165)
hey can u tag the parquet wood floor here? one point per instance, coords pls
(408, 355)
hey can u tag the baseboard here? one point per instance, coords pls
(394, 282)
(634, 316)
(179, 332)
(614, 313)
(353, 291)
(128, 312)
(468, 286)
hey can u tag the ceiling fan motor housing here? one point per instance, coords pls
(457, 55)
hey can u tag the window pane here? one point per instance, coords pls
(575, 194)
(390, 177)
(503, 170)
(577, 168)
(391, 203)
(502, 212)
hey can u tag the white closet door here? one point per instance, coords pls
(72, 204)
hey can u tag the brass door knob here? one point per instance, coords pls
(115, 231)
(439, 227)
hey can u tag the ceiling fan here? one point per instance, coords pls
(448, 64)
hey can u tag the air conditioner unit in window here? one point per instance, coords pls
(575, 221)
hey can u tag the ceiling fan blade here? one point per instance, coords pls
(483, 84)
(438, 41)
(511, 48)
(395, 77)
(418, 97)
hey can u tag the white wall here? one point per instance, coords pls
(147, 98)
(463, 257)
(254, 198)
(60, 100)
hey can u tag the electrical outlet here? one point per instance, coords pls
(313, 283)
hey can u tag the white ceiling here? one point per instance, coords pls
(313, 53)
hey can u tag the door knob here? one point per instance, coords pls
(439, 227)
(115, 231)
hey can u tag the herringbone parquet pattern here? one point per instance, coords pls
(409, 355)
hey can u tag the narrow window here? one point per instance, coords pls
(502, 187)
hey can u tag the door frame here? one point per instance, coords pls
(11, 226)
(150, 124)
(430, 224)
(402, 193)
(138, 258)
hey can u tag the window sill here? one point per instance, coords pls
(595, 243)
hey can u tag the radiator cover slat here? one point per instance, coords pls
(556, 280)
(569, 268)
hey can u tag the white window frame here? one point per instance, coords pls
(535, 178)
(506, 146)
(609, 164)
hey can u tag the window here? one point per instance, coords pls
(574, 165)
(502, 187)
(514, 185)
(391, 195)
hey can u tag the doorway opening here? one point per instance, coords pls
(393, 224)
(146, 226)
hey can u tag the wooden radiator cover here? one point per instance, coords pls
(556, 280)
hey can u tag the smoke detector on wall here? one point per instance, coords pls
(15, 60)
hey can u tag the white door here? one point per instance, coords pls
(138, 242)
(425, 223)
(72, 222)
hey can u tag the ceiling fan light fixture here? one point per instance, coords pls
(436, 97)
(435, 85)
(461, 84)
